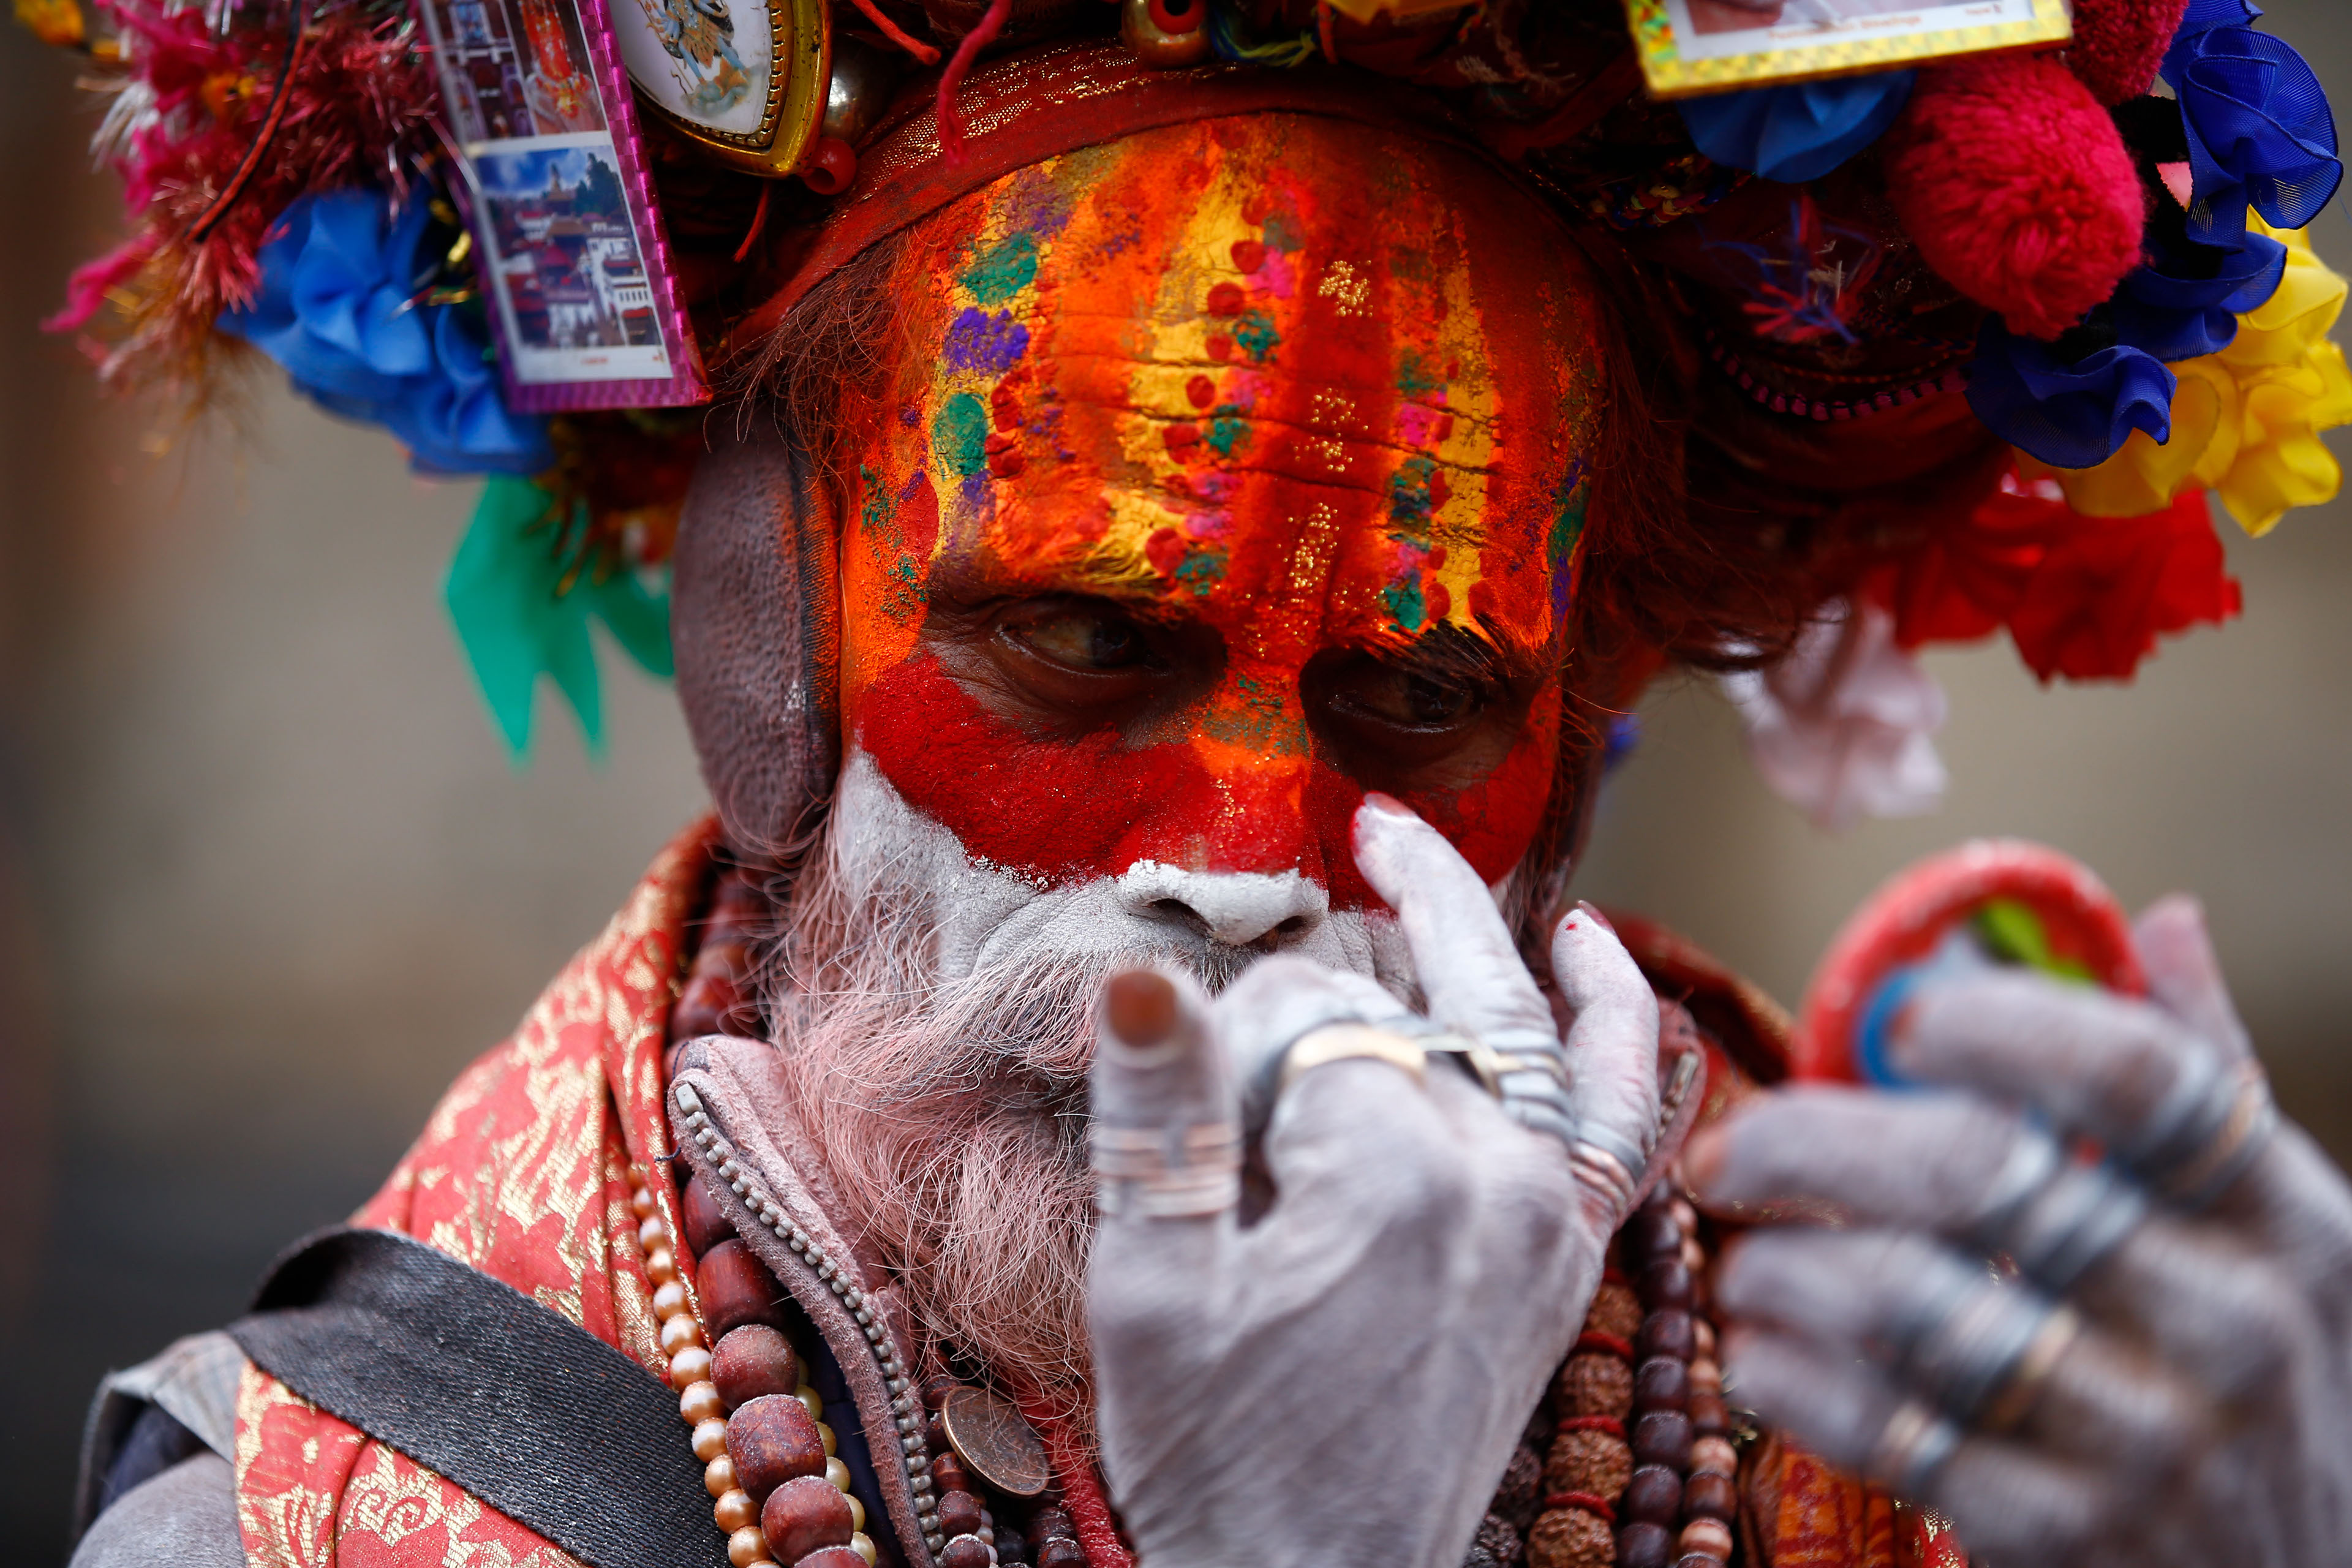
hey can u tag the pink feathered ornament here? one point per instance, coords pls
(2118, 44)
(2017, 189)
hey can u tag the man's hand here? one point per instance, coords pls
(1342, 1379)
(2170, 1382)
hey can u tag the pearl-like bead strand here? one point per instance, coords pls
(698, 1405)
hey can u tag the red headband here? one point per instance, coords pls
(1023, 108)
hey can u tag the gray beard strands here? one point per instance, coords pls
(950, 1115)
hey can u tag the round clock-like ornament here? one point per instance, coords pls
(745, 78)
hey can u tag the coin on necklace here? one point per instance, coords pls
(995, 1442)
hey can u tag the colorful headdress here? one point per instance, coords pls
(1959, 343)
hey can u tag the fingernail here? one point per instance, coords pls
(1387, 805)
(1598, 917)
(1140, 1007)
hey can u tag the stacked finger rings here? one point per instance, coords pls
(1166, 1172)
(1527, 1076)
(1978, 1352)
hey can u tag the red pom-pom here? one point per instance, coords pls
(2118, 44)
(2016, 188)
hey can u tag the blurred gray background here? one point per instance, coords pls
(266, 879)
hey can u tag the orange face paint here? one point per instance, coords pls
(1296, 385)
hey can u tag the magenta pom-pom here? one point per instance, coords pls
(2118, 44)
(2015, 185)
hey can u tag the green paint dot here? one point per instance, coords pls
(1412, 379)
(1225, 433)
(1567, 528)
(957, 434)
(1201, 570)
(1406, 605)
(1003, 269)
(1256, 335)
(880, 508)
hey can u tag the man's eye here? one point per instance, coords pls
(1083, 641)
(1411, 699)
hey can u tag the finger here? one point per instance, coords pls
(1366, 1136)
(1612, 1045)
(1467, 964)
(2007, 1500)
(2205, 1301)
(2122, 1071)
(2184, 977)
(1166, 1142)
(1944, 1327)
(1921, 1160)
(1280, 1000)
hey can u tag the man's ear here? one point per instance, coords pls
(756, 627)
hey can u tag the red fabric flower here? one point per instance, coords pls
(2110, 586)
(2083, 598)
(1961, 583)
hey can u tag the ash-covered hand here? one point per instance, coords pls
(2158, 1370)
(1341, 1377)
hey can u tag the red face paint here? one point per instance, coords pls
(1298, 389)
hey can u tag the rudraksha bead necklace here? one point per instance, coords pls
(1640, 1471)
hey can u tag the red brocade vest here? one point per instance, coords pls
(525, 1169)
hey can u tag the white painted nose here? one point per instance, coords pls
(1239, 908)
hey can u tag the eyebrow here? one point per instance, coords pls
(1480, 651)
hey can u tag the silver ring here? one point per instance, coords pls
(1973, 1350)
(1531, 1083)
(2055, 1233)
(2211, 1144)
(1167, 1172)
(1912, 1448)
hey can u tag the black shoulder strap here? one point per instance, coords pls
(525, 1409)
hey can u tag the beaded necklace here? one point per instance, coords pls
(781, 1494)
(1639, 1468)
(1628, 1462)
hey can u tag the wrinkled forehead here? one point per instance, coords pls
(1246, 362)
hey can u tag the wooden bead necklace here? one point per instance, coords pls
(1638, 1468)
(781, 1494)
(1627, 1464)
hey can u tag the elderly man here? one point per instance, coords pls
(1152, 658)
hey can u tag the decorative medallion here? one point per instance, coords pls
(995, 1442)
(745, 78)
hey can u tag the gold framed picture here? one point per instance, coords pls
(1692, 47)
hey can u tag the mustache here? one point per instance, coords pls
(950, 1115)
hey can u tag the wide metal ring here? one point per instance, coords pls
(2056, 1232)
(1331, 1043)
(1912, 1447)
(1981, 1349)
(2209, 1147)
(1531, 1083)
(1166, 1172)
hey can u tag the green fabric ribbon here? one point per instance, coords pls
(518, 620)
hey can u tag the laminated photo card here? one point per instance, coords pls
(583, 299)
(1693, 47)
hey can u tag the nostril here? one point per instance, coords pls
(1296, 925)
(1177, 912)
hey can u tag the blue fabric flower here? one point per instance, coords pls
(2070, 414)
(335, 309)
(2185, 304)
(2261, 133)
(1797, 132)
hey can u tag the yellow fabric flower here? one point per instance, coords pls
(2246, 421)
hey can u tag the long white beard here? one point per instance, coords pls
(935, 1017)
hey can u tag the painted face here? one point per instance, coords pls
(1220, 475)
